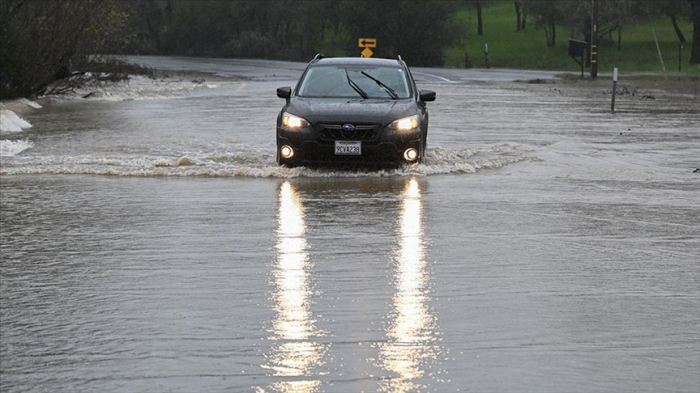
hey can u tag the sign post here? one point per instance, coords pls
(578, 49)
(367, 43)
(487, 63)
(614, 90)
(594, 40)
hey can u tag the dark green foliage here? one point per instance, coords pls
(419, 31)
(695, 16)
(280, 29)
(147, 26)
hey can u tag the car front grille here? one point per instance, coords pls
(362, 132)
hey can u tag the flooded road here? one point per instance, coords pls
(150, 243)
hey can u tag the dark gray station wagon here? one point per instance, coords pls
(353, 110)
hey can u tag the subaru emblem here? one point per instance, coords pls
(348, 127)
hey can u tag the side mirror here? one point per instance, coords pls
(284, 92)
(425, 95)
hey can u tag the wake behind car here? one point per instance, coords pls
(353, 110)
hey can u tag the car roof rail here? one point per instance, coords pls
(400, 60)
(318, 57)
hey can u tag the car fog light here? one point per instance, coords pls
(286, 151)
(410, 154)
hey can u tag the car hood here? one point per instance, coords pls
(338, 110)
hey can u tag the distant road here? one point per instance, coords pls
(479, 74)
(287, 70)
(231, 68)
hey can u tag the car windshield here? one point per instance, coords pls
(338, 80)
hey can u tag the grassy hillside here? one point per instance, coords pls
(528, 49)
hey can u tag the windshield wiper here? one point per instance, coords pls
(381, 84)
(355, 86)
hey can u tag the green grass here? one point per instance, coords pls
(527, 49)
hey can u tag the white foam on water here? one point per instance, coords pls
(137, 87)
(446, 161)
(11, 122)
(253, 164)
(30, 103)
(11, 148)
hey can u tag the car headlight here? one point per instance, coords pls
(292, 122)
(405, 124)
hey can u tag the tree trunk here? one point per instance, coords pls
(480, 26)
(695, 51)
(518, 13)
(619, 38)
(524, 20)
(679, 33)
(553, 35)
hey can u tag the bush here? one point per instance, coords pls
(251, 44)
(40, 41)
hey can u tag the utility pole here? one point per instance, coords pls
(594, 40)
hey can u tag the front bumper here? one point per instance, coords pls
(380, 145)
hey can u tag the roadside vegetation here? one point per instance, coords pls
(42, 41)
(45, 41)
(529, 47)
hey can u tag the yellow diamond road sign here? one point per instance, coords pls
(367, 42)
(367, 52)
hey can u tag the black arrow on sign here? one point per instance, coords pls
(367, 42)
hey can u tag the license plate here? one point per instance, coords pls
(348, 148)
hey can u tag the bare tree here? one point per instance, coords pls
(478, 5)
(546, 15)
(675, 10)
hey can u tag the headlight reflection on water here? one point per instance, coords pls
(411, 333)
(296, 355)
